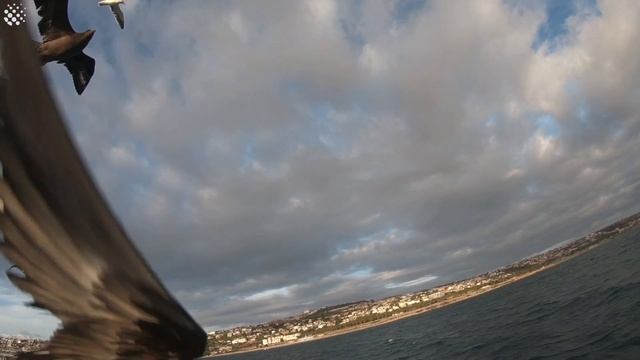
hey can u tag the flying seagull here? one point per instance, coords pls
(115, 8)
(76, 259)
(62, 44)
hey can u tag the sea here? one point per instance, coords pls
(585, 308)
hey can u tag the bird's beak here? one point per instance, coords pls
(91, 32)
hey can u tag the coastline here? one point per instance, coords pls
(419, 311)
(388, 320)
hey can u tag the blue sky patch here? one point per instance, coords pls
(555, 27)
(548, 125)
(405, 9)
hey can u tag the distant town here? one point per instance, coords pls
(339, 319)
(11, 345)
(345, 318)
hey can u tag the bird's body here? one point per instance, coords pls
(64, 47)
(62, 44)
(76, 259)
(115, 8)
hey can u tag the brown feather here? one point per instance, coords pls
(55, 20)
(77, 260)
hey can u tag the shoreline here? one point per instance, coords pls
(416, 312)
(385, 321)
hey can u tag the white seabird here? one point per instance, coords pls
(115, 8)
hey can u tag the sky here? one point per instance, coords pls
(272, 159)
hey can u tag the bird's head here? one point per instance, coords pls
(83, 38)
(87, 35)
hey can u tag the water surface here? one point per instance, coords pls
(585, 308)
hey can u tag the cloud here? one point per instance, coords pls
(269, 160)
(411, 283)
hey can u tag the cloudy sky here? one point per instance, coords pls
(270, 158)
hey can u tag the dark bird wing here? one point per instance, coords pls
(81, 68)
(76, 258)
(117, 12)
(55, 19)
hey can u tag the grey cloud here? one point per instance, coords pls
(251, 148)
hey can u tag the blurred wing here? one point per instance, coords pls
(77, 260)
(117, 12)
(81, 67)
(55, 19)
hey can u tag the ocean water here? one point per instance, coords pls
(585, 308)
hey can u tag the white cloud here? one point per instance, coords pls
(415, 282)
(323, 11)
(121, 156)
(372, 60)
(543, 147)
(460, 253)
(270, 294)
(279, 144)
